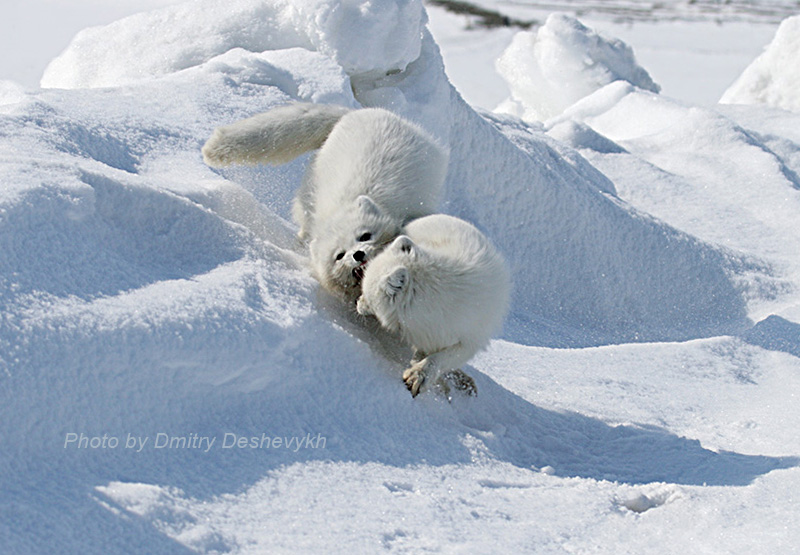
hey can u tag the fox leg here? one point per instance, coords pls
(440, 365)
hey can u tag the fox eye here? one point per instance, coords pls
(365, 237)
(340, 256)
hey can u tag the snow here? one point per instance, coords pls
(173, 380)
(177, 37)
(562, 62)
(774, 77)
(33, 32)
(694, 61)
(693, 56)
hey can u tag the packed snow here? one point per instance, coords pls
(774, 77)
(163, 41)
(563, 61)
(172, 379)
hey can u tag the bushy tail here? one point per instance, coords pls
(274, 137)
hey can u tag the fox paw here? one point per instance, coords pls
(414, 377)
(459, 381)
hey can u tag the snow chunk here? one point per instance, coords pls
(581, 136)
(657, 495)
(298, 73)
(362, 37)
(365, 36)
(776, 334)
(564, 61)
(774, 77)
(11, 93)
(548, 470)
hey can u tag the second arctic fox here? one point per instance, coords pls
(445, 289)
(374, 172)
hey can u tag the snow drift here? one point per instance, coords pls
(774, 77)
(174, 38)
(560, 63)
(144, 294)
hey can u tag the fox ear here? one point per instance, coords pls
(367, 206)
(404, 244)
(396, 281)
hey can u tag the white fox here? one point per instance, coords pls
(373, 173)
(445, 289)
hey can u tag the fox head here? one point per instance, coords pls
(342, 247)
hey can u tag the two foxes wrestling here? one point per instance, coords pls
(367, 208)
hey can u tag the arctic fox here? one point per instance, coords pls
(373, 173)
(445, 289)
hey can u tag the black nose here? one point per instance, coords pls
(359, 256)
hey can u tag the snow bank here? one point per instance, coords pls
(562, 62)
(697, 169)
(143, 294)
(774, 77)
(371, 37)
(582, 261)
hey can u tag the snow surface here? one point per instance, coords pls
(774, 77)
(170, 39)
(173, 380)
(562, 62)
(693, 49)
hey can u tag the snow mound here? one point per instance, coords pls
(697, 169)
(776, 334)
(363, 38)
(562, 62)
(11, 93)
(774, 77)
